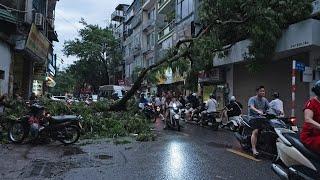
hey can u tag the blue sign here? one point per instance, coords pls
(300, 66)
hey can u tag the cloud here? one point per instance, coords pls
(68, 15)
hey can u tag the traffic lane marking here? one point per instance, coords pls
(243, 155)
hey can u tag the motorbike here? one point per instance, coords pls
(210, 120)
(66, 129)
(196, 115)
(267, 136)
(232, 123)
(174, 117)
(149, 112)
(294, 160)
(158, 114)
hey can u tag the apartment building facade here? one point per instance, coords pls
(27, 32)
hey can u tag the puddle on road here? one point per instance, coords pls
(70, 151)
(103, 157)
(219, 145)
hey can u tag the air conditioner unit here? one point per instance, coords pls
(39, 20)
(51, 23)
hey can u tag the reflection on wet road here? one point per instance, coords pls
(194, 153)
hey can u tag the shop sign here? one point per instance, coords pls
(307, 74)
(300, 66)
(39, 71)
(214, 75)
(37, 43)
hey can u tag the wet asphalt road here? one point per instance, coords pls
(194, 153)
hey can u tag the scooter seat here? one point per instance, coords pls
(246, 119)
(294, 139)
(60, 119)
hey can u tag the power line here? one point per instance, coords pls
(66, 20)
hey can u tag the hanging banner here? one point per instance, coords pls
(37, 43)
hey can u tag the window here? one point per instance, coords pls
(184, 8)
(39, 6)
(1, 74)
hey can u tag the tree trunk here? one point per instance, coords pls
(121, 104)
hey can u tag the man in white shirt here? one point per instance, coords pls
(276, 105)
(212, 104)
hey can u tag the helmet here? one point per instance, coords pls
(316, 88)
(232, 98)
(276, 95)
(194, 94)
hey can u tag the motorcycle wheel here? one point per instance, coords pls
(233, 127)
(17, 133)
(71, 135)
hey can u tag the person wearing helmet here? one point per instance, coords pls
(310, 134)
(233, 109)
(276, 105)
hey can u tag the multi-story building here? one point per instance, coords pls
(118, 28)
(176, 21)
(151, 28)
(133, 39)
(300, 42)
(27, 32)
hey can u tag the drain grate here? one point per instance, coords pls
(103, 157)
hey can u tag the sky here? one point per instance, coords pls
(68, 15)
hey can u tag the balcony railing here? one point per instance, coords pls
(166, 31)
(149, 24)
(147, 49)
(117, 16)
(162, 4)
(136, 21)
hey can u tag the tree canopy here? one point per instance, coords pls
(98, 52)
(225, 22)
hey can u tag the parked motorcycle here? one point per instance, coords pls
(294, 160)
(210, 120)
(174, 117)
(65, 129)
(234, 123)
(267, 136)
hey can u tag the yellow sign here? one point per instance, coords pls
(37, 43)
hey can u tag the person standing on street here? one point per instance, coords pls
(257, 105)
(276, 105)
(310, 134)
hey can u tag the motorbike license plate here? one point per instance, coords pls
(294, 128)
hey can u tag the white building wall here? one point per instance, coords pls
(5, 62)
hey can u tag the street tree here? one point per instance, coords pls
(98, 53)
(225, 22)
(65, 83)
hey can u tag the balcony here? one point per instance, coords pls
(149, 24)
(166, 32)
(129, 16)
(148, 49)
(136, 21)
(163, 5)
(148, 4)
(117, 16)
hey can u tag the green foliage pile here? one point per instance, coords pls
(97, 122)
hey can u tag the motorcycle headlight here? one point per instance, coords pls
(176, 116)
